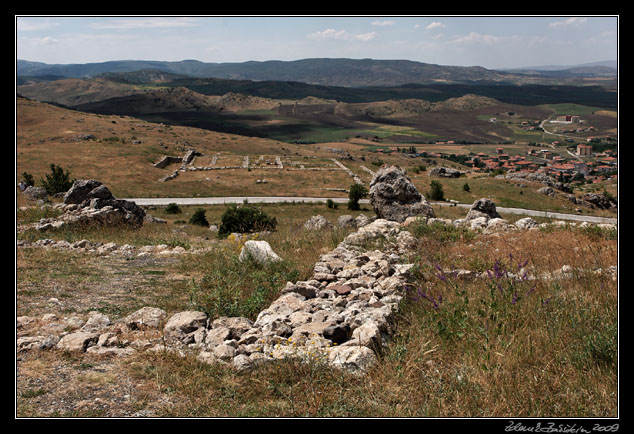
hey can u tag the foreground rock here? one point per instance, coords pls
(259, 251)
(394, 197)
(89, 202)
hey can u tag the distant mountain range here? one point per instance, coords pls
(320, 71)
(595, 69)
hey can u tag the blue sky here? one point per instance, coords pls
(491, 42)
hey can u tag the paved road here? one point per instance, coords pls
(270, 199)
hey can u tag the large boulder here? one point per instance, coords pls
(258, 251)
(600, 201)
(394, 197)
(86, 189)
(90, 202)
(482, 208)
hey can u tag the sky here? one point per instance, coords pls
(488, 41)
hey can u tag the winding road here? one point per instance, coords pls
(163, 201)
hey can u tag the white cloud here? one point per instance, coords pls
(342, 35)
(435, 25)
(383, 23)
(572, 21)
(478, 38)
(365, 36)
(38, 42)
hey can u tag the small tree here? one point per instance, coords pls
(28, 179)
(436, 192)
(357, 192)
(199, 218)
(58, 181)
(466, 187)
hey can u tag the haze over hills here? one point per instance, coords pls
(322, 71)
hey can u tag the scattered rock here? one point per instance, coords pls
(182, 326)
(482, 208)
(78, 341)
(317, 222)
(145, 318)
(35, 193)
(445, 172)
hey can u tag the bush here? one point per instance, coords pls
(357, 192)
(244, 219)
(172, 208)
(436, 192)
(58, 181)
(331, 204)
(199, 218)
(28, 179)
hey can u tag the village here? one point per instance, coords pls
(583, 165)
(581, 160)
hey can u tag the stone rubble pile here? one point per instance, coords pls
(111, 249)
(341, 316)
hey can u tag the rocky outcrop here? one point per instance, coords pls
(394, 197)
(90, 202)
(445, 172)
(482, 208)
(600, 201)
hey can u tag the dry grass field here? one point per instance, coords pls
(498, 347)
(484, 348)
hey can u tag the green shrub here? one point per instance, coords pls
(172, 208)
(58, 181)
(28, 179)
(331, 204)
(244, 219)
(199, 218)
(436, 192)
(357, 192)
